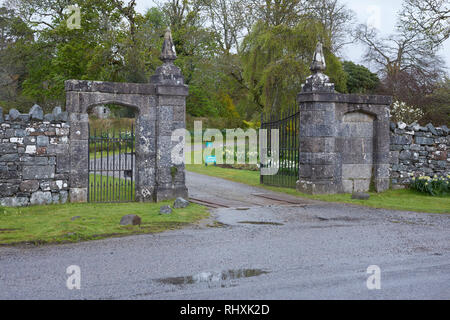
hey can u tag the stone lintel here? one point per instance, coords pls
(109, 87)
(172, 90)
(344, 98)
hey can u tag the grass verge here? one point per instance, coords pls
(54, 224)
(406, 200)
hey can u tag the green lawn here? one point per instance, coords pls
(407, 200)
(53, 224)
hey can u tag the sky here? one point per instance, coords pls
(378, 13)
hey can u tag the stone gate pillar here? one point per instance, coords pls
(79, 148)
(344, 139)
(171, 93)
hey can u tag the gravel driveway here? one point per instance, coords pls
(253, 247)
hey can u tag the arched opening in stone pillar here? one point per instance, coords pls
(355, 143)
(112, 152)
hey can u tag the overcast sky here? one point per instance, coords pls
(380, 13)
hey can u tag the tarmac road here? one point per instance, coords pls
(254, 247)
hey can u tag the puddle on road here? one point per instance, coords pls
(213, 277)
(262, 223)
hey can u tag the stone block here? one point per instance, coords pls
(381, 171)
(361, 185)
(432, 129)
(8, 148)
(347, 186)
(356, 171)
(401, 140)
(29, 186)
(41, 198)
(163, 194)
(394, 157)
(49, 117)
(172, 90)
(38, 172)
(179, 113)
(6, 174)
(319, 172)
(405, 155)
(30, 149)
(165, 210)
(11, 157)
(180, 203)
(36, 113)
(424, 141)
(42, 141)
(14, 201)
(63, 197)
(20, 133)
(8, 189)
(320, 158)
(381, 185)
(317, 144)
(62, 163)
(130, 220)
(79, 126)
(78, 195)
(363, 130)
(360, 196)
(62, 117)
(14, 115)
(312, 130)
(29, 140)
(318, 187)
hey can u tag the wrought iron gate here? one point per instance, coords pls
(288, 124)
(111, 166)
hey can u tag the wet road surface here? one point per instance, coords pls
(256, 245)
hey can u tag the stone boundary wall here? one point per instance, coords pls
(34, 157)
(418, 151)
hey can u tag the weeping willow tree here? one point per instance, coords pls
(276, 62)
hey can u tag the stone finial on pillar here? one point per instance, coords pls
(318, 81)
(168, 73)
(168, 53)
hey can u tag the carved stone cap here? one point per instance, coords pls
(318, 81)
(168, 73)
(318, 64)
(168, 53)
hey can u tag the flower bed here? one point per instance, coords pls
(436, 186)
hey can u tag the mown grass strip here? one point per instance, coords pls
(58, 223)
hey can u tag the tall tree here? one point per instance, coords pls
(336, 18)
(276, 62)
(228, 20)
(278, 12)
(16, 39)
(409, 69)
(360, 79)
(430, 18)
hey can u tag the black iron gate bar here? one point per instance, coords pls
(288, 125)
(113, 189)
